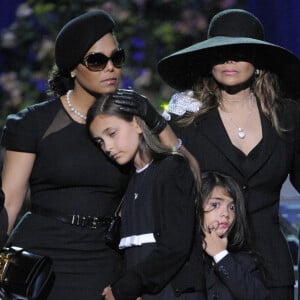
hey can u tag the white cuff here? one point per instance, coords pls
(220, 256)
(166, 116)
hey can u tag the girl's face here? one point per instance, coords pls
(233, 73)
(219, 211)
(104, 81)
(118, 138)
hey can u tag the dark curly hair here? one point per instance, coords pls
(59, 82)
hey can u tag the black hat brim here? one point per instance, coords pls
(183, 68)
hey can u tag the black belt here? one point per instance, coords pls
(77, 220)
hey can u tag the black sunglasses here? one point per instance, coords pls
(97, 61)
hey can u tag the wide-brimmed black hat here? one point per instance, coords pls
(78, 35)
(230, 29)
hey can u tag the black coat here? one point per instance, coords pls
(236, 276)
(260, 174)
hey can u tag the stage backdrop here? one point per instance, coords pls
(281, 20)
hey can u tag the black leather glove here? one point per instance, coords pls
(136, 104)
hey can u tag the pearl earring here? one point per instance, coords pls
(257, 72)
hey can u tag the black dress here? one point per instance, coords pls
(73, 176)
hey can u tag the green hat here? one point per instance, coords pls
(228, 29)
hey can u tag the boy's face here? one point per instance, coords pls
(219, 211)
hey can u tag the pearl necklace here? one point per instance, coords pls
(241, 131)
(72, 108)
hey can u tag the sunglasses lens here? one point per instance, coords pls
(98, 61)
(118, 58)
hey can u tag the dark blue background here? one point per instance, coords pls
(281, 19)
(8, 12)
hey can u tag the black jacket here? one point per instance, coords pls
(235, 277)
(176, 258)
(260, 174)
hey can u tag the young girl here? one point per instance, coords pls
(158, 212)
(231, 269)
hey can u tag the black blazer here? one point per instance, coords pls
(235, 277)
(260, 174)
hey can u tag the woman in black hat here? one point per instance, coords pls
(236, 119)
(73, 187)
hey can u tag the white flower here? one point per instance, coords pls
(23, 11)
(8, 40)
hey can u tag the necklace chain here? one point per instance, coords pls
(241, 131)
(240, 100)
(72, 108)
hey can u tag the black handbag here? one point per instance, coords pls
(23, 275)
(113, 232)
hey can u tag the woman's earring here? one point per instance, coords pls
(72, 75)
(256, 73)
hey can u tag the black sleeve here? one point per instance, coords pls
(174, 190)
(295, 172)
(175, 126)
(20, 132)
(2, 197)
(3, 226)
(241, 276)
(24, 130)
(3, 219)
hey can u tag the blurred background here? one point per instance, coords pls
(148, 30)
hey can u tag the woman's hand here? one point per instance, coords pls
(137, 104)
(213, 242)
(108, 294)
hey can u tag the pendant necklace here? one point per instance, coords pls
(241, 131)
(72, 108)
